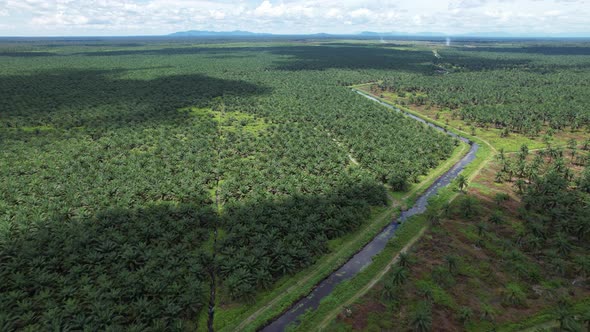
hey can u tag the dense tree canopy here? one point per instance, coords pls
(521, 89)
(118, 172)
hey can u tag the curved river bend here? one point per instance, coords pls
(364, 257)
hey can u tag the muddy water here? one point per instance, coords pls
(365, 256)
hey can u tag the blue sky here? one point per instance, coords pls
(149, 17)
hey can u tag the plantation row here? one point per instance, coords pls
(520, 90)
(489, 261)
(112, 170)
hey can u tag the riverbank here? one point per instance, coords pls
(271, 303)
(478, 290)
(352, 289)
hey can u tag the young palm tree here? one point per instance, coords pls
(465, 315)
(566, 318)
(462, 182)
(404, 260)
(487, 312)
(583, 265)
(514, 295)
(399, 275)
(496, 217)
(432, 216)
(452, 262)
(422, 318)
(390, 291)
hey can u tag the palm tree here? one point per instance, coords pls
(499, 178)
(520, 185)
(514, 295)
(432, 216)
(446, 208)
(572, 144)
(389, 291)
(422, 318)
(496, 217)
(585, 318)
(583, 265)
(461, 182)
(566, 318)
(404, 260)
(563, 244)
(468, 206)
(399, 275)
(452, 262)
(487, 312)
(426, 293)
(524, 152)
(465, 315)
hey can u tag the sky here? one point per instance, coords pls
(157, 17)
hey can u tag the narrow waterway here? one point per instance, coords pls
(365, 256)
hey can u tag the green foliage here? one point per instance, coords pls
(496, 217)
(107, 272)
(452, 263)
(469, 206)
(432, 292)
(514, 295)
(487, 312)
(421, 319)
(399, 275)
(461, 182)
(442, 276)
(264, 136)
(516, 89)
(465, 315)
(405, 260)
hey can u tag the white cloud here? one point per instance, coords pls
(74, 17)
(217, 14)
(267, 9)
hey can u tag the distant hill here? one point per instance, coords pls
(394, 34)
(373, 34)
(201, 33)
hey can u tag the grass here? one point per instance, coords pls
(231, 121)
(545, 318)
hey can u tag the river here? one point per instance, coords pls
(365, 256)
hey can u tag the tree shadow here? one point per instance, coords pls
(166, 50)
(307, 57)
(148, 268)
(135, 268)
(543, 50)
(26, 54)
(103, 99)
(474, 60)
(348, 57)
(339, 55)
